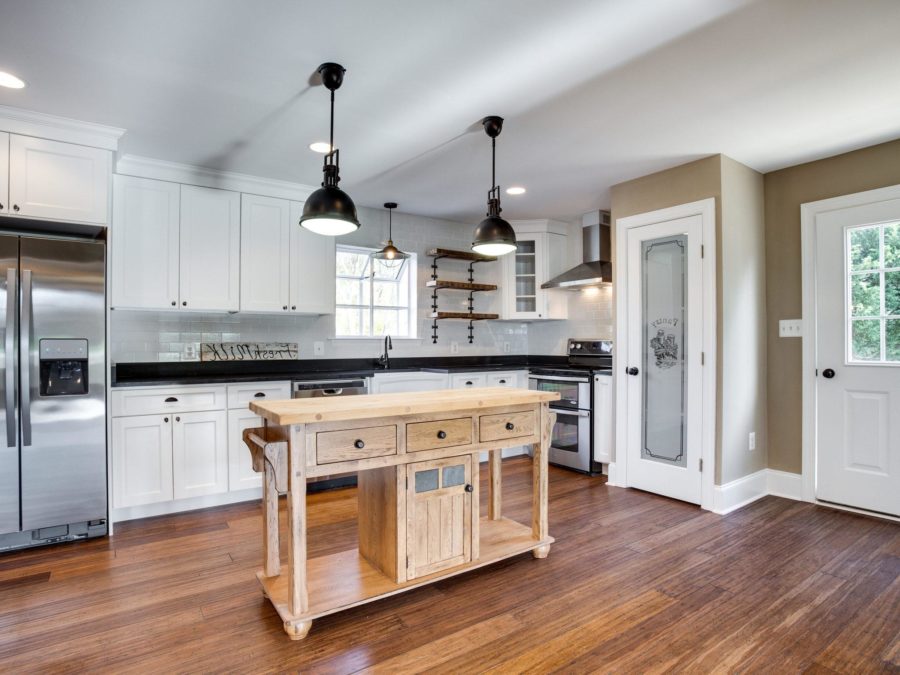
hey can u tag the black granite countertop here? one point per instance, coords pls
(221, 372)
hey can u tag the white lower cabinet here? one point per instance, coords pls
(142, 460)
(200, 454)
(240, 469)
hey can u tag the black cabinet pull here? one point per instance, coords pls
(16, 208)
(510, 426)
(502, 381)
(468, 383)
(442, 435)
(359, 444)
(469, 488)
(828, 372)
(171, 399)
(632, 370)
(259, 394)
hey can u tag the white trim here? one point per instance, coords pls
(808, 214)
(179, 505)
(42, 125)
(706, 209)
(738, 493)
(784, 484)
(159, 169)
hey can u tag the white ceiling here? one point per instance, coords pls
(594, 92)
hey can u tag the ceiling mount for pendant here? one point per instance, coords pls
(329, 210)
(390, 255)
(494, 235)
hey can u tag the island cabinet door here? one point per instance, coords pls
(439, 515)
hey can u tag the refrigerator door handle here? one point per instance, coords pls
(9, 392)
(25, 345)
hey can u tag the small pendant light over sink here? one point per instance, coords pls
(329, 210)
(494, 236)
(390, 255)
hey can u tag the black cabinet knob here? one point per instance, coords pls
(359, 444)
(184, 303)
(171, 399)
(510, 426)
(828, 372)
(293, 307)
(469, 488)
(284, 307)
(165, 419)
(174, 303)
(259, 394)
(177, 419)
(442, 435)
(1, 207)
(632, 370)
(16, 208)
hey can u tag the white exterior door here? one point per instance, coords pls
(662, 355)
(857, 328)
(200, 453)
(265, 254)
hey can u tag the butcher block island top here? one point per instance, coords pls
(418, 458)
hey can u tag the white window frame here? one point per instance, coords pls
(409, 276)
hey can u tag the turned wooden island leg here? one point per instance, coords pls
(298, 598)
(495, 497)
(540, 487)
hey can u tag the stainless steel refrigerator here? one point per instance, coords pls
(53, 390)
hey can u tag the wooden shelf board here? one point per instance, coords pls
(460, 285)
(343, 580)
(463, 315)
(459, 255)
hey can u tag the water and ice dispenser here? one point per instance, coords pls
(64, 367)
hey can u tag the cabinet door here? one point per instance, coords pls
(144, 234)
(312, 268)
(265, 254)
(439, 515)
(467, 380)
(5, 207)
(523, 279)
(200, 454)
(240, 469)
(142, 460)
(603, 422)
(58, 181)
(210, 259)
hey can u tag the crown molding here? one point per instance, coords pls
(42, 125)
(160, 169)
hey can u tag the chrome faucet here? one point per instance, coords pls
(385, 360)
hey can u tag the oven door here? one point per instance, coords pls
(570, 441)
(574, 392)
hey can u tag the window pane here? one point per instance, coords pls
(388, 269)
(865, 294)
(866, 340)
(387, 322)
(352, 263)
(892, 339)
(864, 248)
(386, 293)
(892, 245)
(350, 291)
(454, 475)
(426, 481)
(892, 293)
(347, 321)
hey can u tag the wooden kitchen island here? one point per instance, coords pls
(417, 455)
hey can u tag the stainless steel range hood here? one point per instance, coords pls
(596, 270)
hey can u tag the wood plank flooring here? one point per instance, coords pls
(636, 583)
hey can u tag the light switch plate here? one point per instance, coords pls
(790, 328)
(454, 347)
(318, 348)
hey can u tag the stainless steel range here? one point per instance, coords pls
(571, 444)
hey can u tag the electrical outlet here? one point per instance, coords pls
(190, 351)
(752, 440)
(318, 348)
(454, 347)
(790, 328)
(506, 347)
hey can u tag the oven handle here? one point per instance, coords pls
(558, 378)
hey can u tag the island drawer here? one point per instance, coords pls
(507, 425)
(438, 434)
(351, 444)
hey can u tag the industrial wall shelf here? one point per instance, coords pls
(436, 284)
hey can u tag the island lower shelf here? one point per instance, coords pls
(343, 580)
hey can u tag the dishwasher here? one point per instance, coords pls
(351, 386)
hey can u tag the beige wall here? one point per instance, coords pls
(786, 190)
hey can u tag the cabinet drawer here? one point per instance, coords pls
(350, 444)
(239, 395)
(467, 380)
(166, 400)
(438, 434)
(502, 380)
(507, 425)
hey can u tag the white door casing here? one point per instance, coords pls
(851, 400)
(682, 479)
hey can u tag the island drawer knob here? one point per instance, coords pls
(359, 443)
(442, 434)
(469, 488)
(510, 426)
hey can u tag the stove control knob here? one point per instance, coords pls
(577, 345)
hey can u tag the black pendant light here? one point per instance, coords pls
(329, 210)
(390, 255)
(494, 236)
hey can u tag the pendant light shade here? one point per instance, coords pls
(329, 210)
(494, 236)
(390, 255)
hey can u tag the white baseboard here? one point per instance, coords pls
(612, 475)
(784, 484)
(178, 505)
(732, 496)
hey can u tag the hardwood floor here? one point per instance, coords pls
(635, 583)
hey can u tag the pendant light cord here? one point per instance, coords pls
(331, 128)
(493, 163)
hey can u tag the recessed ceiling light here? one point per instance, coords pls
(11, 81)
(320, 146)
(515, 190)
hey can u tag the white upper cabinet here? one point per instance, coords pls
(144, 243)
(210, 255)
(541, 255)
(5, 207)
(265, 254)
(312, 268)
(58, 181)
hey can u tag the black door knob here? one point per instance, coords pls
(828, 372)
(632, 370)
(469, 488)
(359, 444)
(510, 426)
(442, 434)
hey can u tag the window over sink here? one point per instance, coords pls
(374, 297)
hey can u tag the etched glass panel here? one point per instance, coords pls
(427, 480)
(453, 475)
(664, 272)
